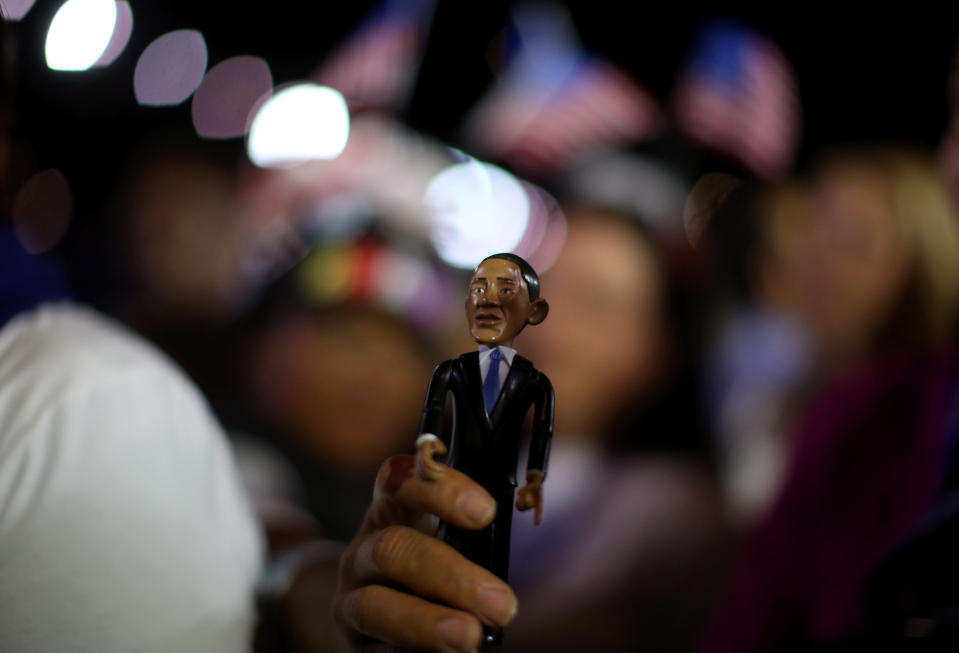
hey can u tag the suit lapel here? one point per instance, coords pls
(510, 387)
(475, 383)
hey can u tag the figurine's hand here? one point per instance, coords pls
(531, 495)
(427, 467)
(403, 587)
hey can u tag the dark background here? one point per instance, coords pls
(869, 75)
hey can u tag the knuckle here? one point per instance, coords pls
(394, 471)
(390, 547)
(384, 472)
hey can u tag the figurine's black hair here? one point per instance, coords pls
(529, 274)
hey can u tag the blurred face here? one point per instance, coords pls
(347, 388)
(857, 263)
(182, 239)
(949, 161)
(600, 347)
(498, 305)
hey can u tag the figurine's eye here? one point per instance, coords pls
(479, 290)
(506, 291)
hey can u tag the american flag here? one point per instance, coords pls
(376, 67)
(738, 96)
(556, 102)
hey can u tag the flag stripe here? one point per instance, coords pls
(376, 67)
(739, 97)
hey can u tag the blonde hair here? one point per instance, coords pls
(914, 190)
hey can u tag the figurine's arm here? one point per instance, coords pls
(428, 444)
(531, 494)
(542, 434)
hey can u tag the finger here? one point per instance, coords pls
(407, 621)
(538, 516)
(433, 570)
(401, 497)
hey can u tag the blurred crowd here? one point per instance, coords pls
(756, 375)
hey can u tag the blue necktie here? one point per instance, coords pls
(491, 384)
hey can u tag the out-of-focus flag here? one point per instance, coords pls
(738, 96)
(376, 67)
(555, 102)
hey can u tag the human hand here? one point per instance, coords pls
(427, 467)
(400, 586)
(531, 495)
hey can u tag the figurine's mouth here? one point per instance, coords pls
(487, 318)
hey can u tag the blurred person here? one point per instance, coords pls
(759, 352)
(883, 264)
(880, 291)
(178, 237)
(124, 526)
(913, 597)
(949, 144)
(181, 243)
(335, 391)
(632, 547)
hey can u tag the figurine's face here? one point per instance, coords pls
(498, 305)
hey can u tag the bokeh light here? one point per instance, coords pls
(121, 35)
(42, 210)
(547, 250)
(475, 209)
(170, 68)
(79, 33)
(228, 95)
(300, 123)
(15, 9)
(536, 225)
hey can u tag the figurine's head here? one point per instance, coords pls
(503, 298)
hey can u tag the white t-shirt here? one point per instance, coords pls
(122, 523)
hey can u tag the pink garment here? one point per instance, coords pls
(867, 462)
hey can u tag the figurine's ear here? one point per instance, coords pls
(537, 311)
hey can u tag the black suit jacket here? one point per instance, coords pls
(486, 447)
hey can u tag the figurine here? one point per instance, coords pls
(492, 391)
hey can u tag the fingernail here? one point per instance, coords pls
(477, 506)
(497, 603)
(459, 634)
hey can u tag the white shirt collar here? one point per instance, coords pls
(508, 353)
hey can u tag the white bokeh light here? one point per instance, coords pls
(297, 124)
(475, 209)
(79, 33)
(121, 35)
(547, 248)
